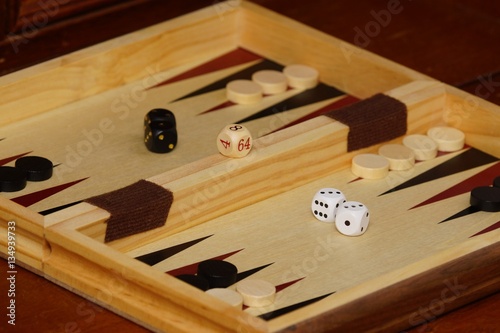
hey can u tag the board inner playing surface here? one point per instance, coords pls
(97, 144)
(280, 241)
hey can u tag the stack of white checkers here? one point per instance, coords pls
(271, 82)
(249, 292)
(415, 147)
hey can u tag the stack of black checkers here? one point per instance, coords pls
(212, 274)
(27, 168)
(486, 198)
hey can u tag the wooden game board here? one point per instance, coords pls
(254, 212)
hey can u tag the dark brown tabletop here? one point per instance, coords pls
(457, 42)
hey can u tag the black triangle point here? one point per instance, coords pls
(58, 208)
(244, 74)
(155, 257)
(467, 211)
(245, 274)
(469, 159)
(317, 94)
(288, 309)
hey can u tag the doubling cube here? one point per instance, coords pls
(160, 133)
(325, 204)
(234, 141)
(352, 218)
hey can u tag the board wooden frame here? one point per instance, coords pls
(67, 248)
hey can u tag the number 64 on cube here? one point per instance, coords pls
(234, 140)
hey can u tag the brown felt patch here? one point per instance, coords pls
(373, 120)
(139, 207)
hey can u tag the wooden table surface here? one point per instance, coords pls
(457, 42)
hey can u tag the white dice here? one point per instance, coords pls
(325, 203)
(352, 218)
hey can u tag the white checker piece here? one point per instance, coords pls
(301, 76)
(400, 157)
(448, 139)
(272, 82)
(229, 296)
(256, 293)
(243, 92)
(370, 166)
(423, 146)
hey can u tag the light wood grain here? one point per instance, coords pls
(281, 230)
(449, 284)
(109, 278)
(218, 185)
(425, 102)
(29, 244)
(109, 65)
(318, 146)
(67, 247)
(341, 64)
(479, 119)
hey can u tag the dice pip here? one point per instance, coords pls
(325, 204)
(234, 141)
(160, 133)
(352, 218)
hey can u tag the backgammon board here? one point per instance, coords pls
(425, 250)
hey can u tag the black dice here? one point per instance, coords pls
(160, 133)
